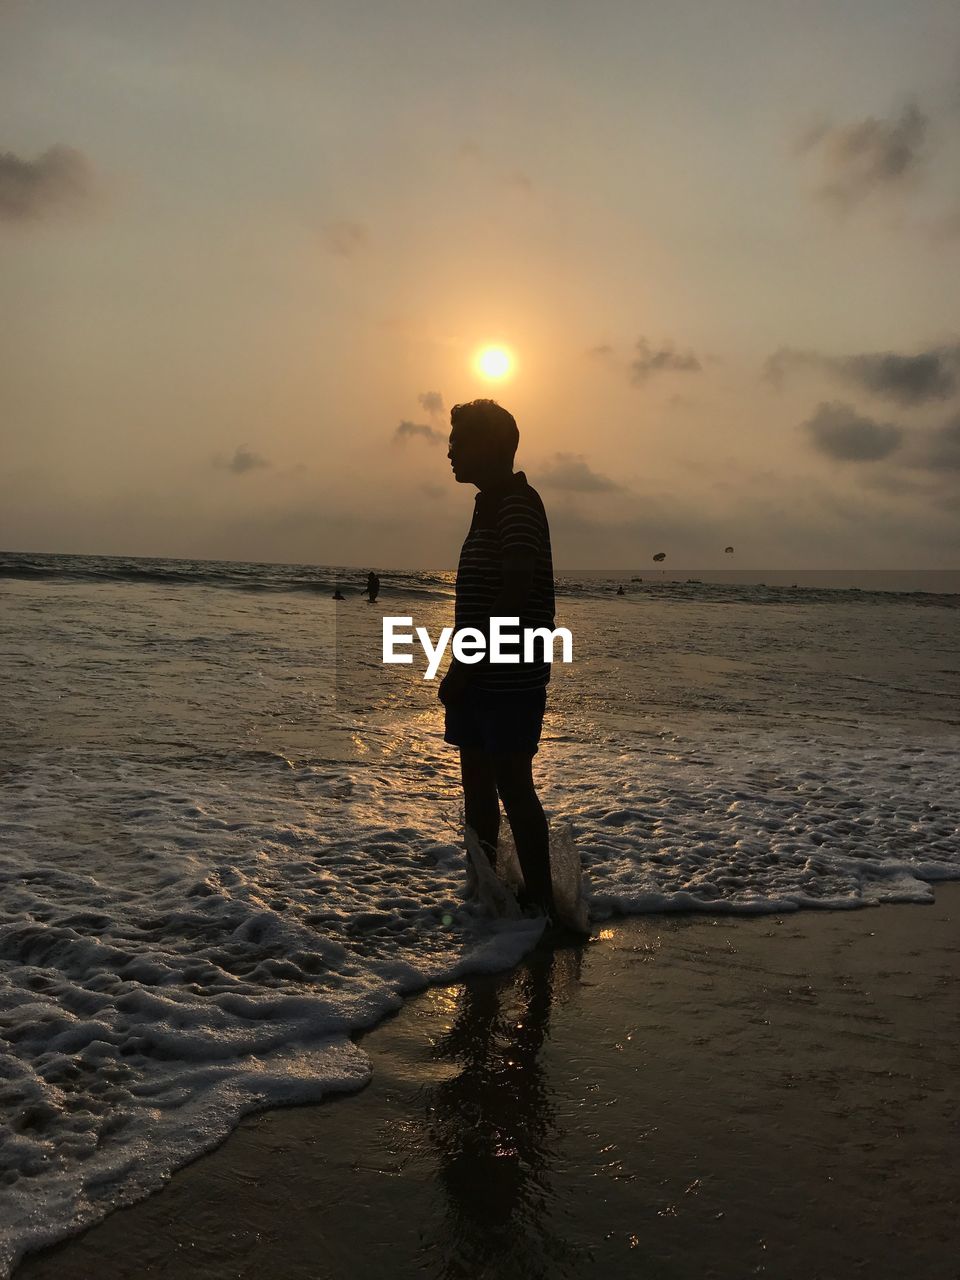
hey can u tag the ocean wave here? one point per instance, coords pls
(229, 837)
(211, 945)
(324, 580)
(237, 576)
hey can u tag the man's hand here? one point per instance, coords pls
(453, 686)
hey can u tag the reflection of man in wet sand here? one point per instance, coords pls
(494, 713)
(494, 1127)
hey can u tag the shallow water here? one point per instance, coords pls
(229, 836)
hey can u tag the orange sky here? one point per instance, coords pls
(241, 248)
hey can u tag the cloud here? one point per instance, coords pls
(572, 472)
(58, 181)
(650, 360)
(905, 379)
(832, 521)
(839, 432)
(943, 448)
(406, 430)
(345, 238)
(819, 528)
(519, 180)
(909, 380)
(432, 401)
(866, 157)
(243, 460)
(601, 352)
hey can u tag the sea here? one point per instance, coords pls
(231, 837)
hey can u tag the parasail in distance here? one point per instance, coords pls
(661, 555)
(728, 551)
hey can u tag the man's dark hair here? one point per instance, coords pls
(491, 421)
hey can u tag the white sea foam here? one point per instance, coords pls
(206, 952)
(209, 882)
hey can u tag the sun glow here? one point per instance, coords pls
(494, 362)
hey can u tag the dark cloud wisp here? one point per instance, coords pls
(572, 472)
(432, 401)
(909, 380)
(410, 430)
(838, 431)
(663, 359)
(59, 180)
(867, 156)
(243, 460)
(943, 451)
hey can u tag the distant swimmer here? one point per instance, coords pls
(620, 590)
(373, 586)
(338, 595)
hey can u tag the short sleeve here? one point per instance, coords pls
(520, 527)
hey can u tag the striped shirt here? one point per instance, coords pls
(509, 520)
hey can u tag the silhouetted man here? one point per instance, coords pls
(373, 586)
(494, 712)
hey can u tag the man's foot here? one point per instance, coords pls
(556, 934)
(532, 906)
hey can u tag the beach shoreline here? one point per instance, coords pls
(688, 1095)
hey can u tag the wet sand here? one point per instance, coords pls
(687, 1096)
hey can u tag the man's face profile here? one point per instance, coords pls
(467, 454)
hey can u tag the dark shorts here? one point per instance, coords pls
(497, 722)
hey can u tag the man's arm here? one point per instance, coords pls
(521, 537)
(518, 568)
(520, 531)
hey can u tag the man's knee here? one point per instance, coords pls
(478, 778)
(514, 775)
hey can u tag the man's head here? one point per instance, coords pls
(483, 441)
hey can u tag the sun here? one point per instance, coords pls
(494, 362)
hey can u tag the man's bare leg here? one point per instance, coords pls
(528, 822)
(481, 807)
